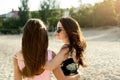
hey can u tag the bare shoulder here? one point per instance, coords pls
(18, 55)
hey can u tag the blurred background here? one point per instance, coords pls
(92, 13)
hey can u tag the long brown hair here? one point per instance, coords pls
(34, 47)
(76, 38)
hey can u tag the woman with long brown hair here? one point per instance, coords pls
(68, 30)
(34, 61)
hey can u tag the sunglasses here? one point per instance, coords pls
(58, 29)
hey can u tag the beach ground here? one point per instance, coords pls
(102, 54)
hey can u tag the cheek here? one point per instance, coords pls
(63, 36)
(57, 35)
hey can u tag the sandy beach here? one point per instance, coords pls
(102, 54)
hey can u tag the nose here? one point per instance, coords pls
(55, 32)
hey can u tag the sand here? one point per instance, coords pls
(102, 54)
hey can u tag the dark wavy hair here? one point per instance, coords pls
(76, 39)
(34, 47)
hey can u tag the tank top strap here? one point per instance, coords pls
(49, 55)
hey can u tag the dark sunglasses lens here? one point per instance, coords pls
(59, 29)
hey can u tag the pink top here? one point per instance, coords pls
(44, 76)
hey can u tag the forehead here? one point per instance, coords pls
(59, 24)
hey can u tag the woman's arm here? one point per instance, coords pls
(57, 60)
(17, 75)
(60, 75)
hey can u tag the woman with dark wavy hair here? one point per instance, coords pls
(34, 61)
(68, 30)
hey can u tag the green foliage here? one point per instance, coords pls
(23, 12)
(104, 14)
(86, 16)
(118, 20)
(101, 14)
(50, 13)
(53, 19)
(35, 14)
(74, 14)
(117, 8)
(1, 25)
(83, 15)
(10, 26)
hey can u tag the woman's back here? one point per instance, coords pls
(44, 75)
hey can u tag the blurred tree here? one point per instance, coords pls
(86, 15)
(23, 12)
(117, 7)
(10, 26)
(1, 21)
(50, 13)
(104, 13)
(74, 13)
(35, 14)
(53, 19)
(83, 15)
(1, 24)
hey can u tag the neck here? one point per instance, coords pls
(66, 41)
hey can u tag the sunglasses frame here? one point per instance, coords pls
(58, 29)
